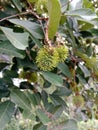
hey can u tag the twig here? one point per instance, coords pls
(42, 27)
(37, 16)
(28, 53)
(46, 36)
(29, 5)
(12, 16)
(23, 13)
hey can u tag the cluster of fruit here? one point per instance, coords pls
(49, 57)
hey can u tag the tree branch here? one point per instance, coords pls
(12, 16)
(29, 5)
(24, 13)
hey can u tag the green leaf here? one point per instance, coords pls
(69, 125)
(25, 102)
(53, 78)
(33, 28)
(17, 5)
(19, 40)
(4, 92)
(3, 65)
(75, 5)
(64, 5)
(10, 74)
(42, 116)
(35, 98)
(84, 70)
(85, 14)
(81, 79)
(62, 91)
(54, 11)
(19, 98)
(7, 48)
(57, 100)
(95, 22)
(85, 25)
(36, 41)
(4, 58)
(4, 61)
(64, 69)
(2, 36)
(91, 63)
(28, 115)
(88, 4)
(26, 63)
(6, 112)
(44, 96)
(40, 126)
(57, 111)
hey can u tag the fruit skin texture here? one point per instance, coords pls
(63, 52)
(78, 101)
(47, 58)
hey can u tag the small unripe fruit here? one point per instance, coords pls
(33, 77)
(78, 101)
(30, 76)
(63, 52)
(22, 75)
(89, 40)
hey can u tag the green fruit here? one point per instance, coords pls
(33, 77)
(30, 76)
(78, 101)
(63, 52)
(47, 58)
(89, 40)
(22, 74)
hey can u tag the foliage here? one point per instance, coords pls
(25, 124)
(49, 47)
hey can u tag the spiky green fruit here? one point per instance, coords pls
(78, 101)
(47, 58)
(41, 6)
(63, 52)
